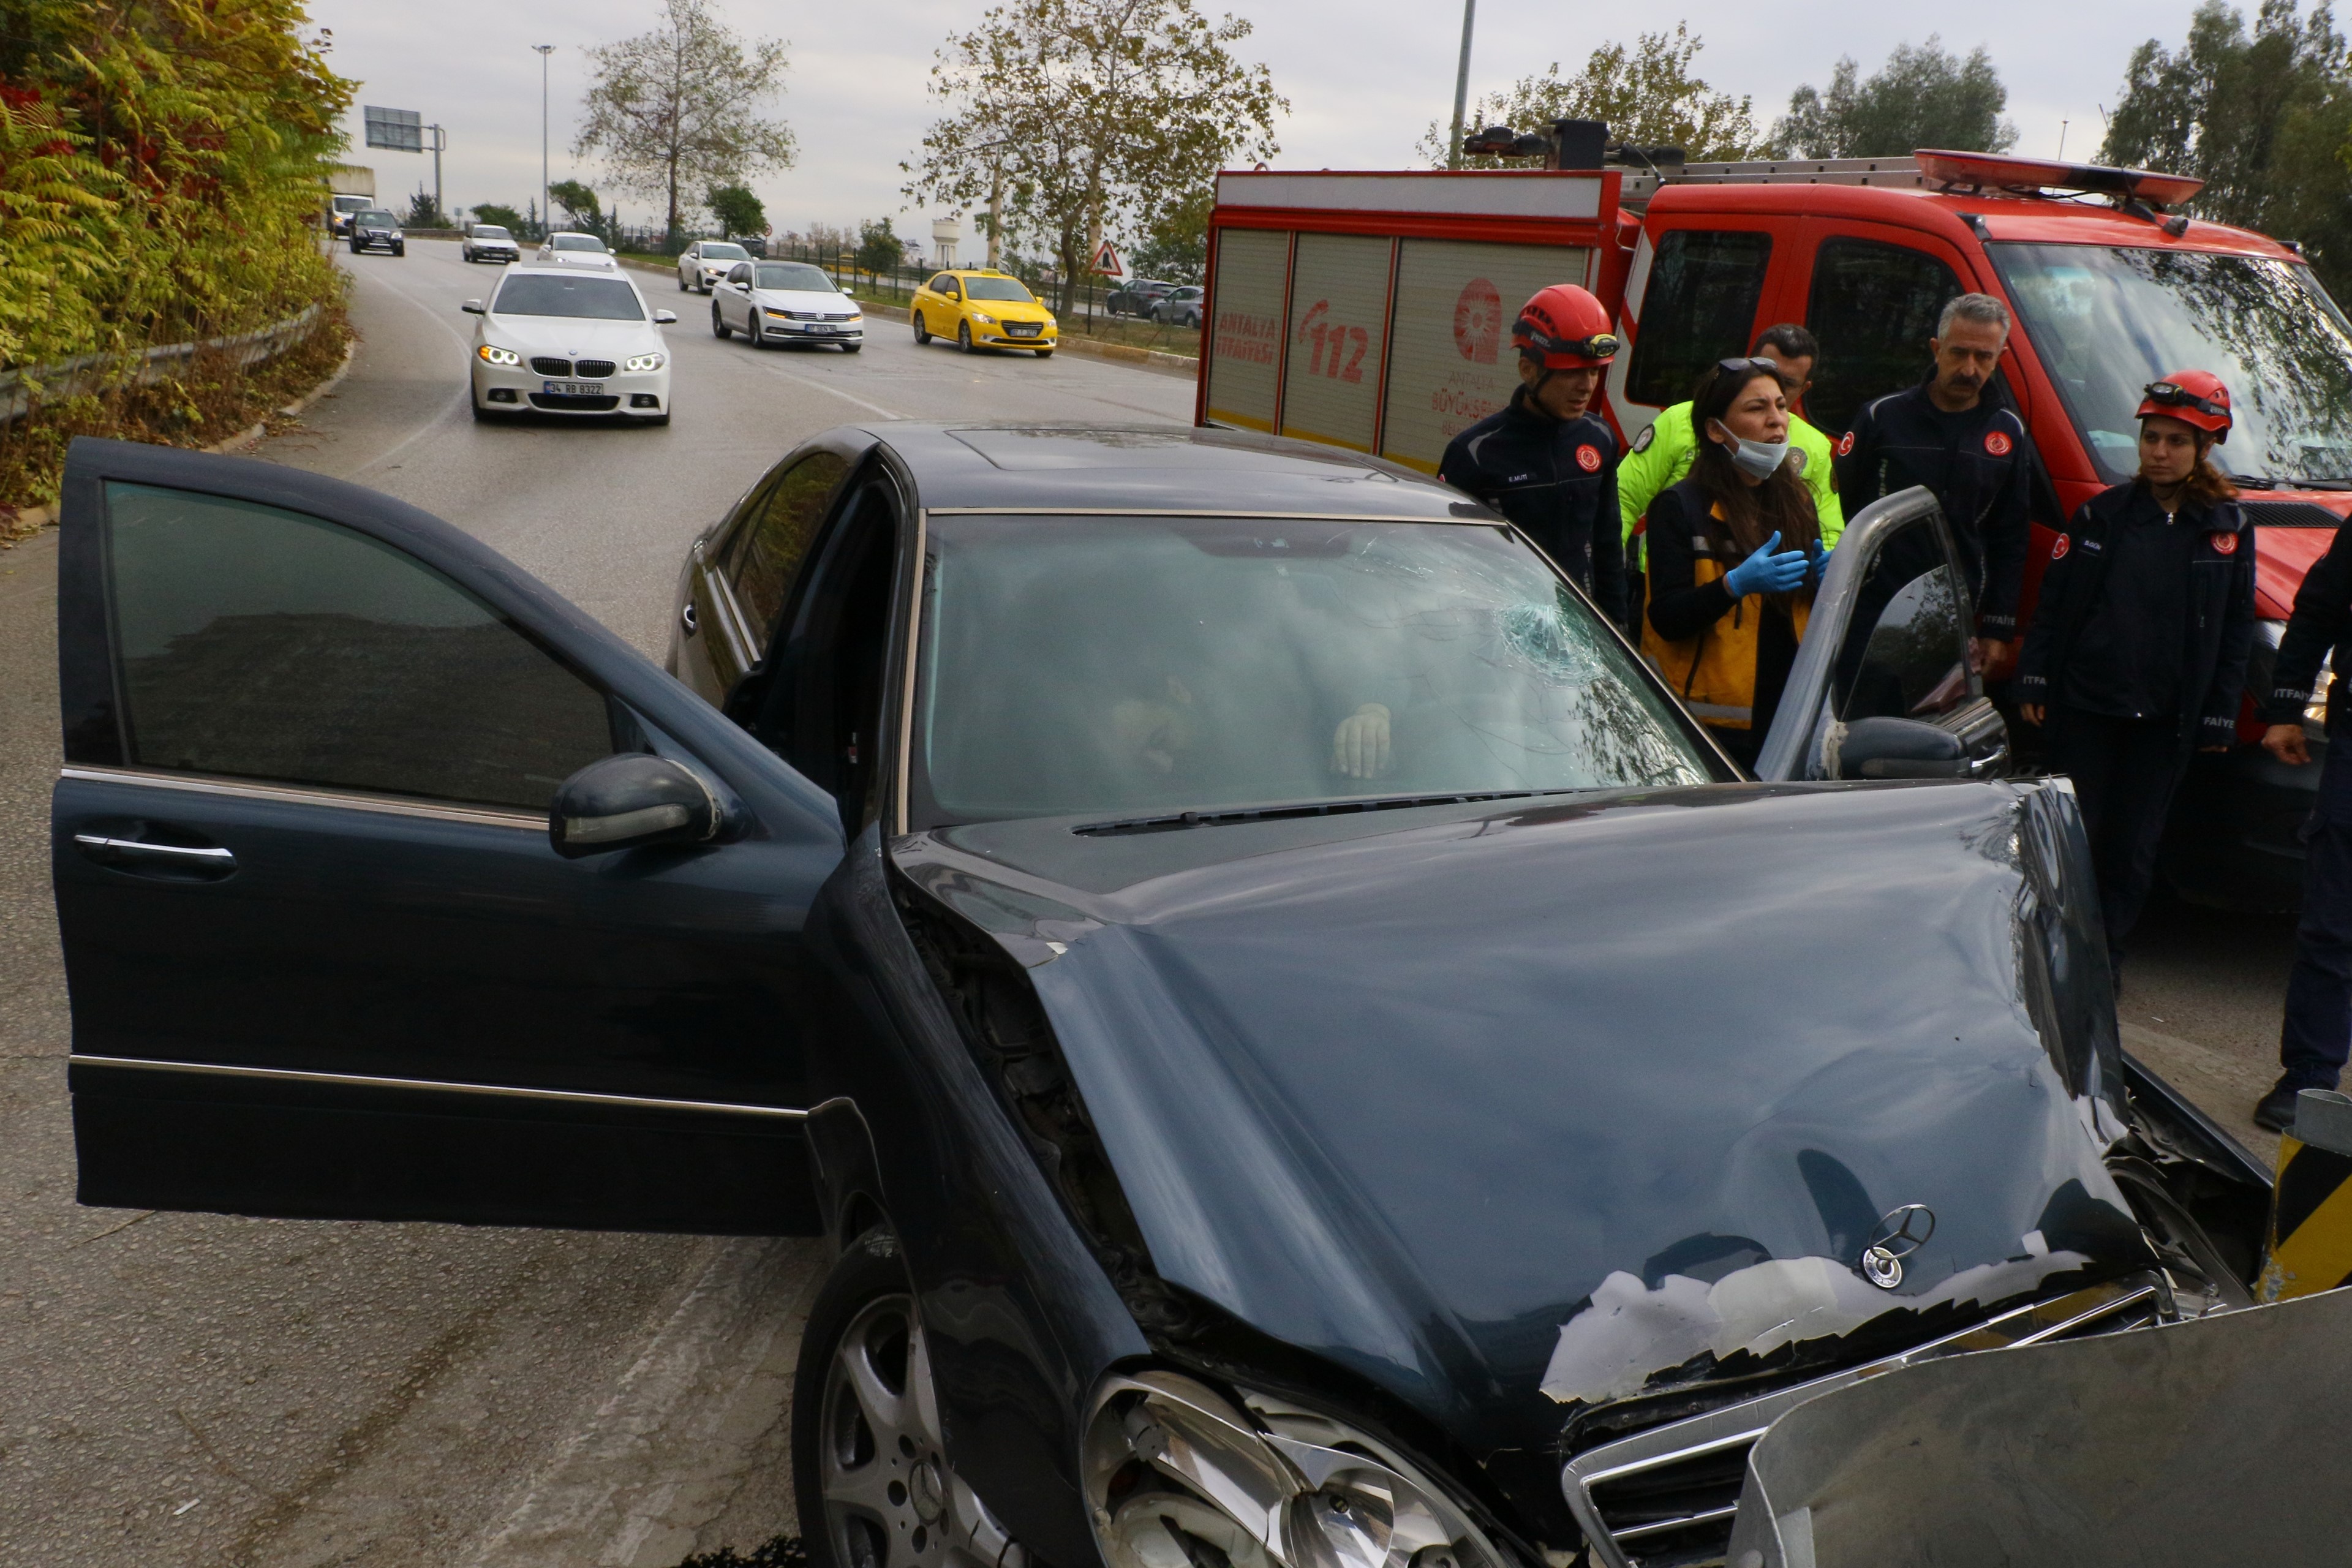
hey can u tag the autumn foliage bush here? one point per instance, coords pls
(161, 174)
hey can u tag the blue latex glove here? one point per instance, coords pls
(1820, 570)
(1767, 572)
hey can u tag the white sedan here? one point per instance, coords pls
(564, 340)
(570, 249)
(786, 302)
(701, 266)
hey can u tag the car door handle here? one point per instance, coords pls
(686, 618)
(182, 859)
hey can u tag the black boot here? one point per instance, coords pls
(2275, 1110)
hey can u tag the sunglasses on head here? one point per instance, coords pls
(1758, 365)
(2172, 394)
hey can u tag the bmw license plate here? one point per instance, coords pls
(576, 389)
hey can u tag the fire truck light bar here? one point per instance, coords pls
(1995, 171)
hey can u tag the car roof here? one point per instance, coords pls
(1159, 469)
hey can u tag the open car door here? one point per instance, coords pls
(1883, 686)
(327, 951)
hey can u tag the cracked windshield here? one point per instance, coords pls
(2108, 322)
(1181, 664)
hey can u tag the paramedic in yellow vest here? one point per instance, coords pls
(1735, 554)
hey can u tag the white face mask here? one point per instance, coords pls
(1756, 460)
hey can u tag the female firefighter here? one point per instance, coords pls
(1735, 554)
(2138, 647)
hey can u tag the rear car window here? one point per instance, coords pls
(265, 645)
(545, 294)
(1874, 306)
(1700, 307)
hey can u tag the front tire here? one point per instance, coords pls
(400, 250)
(681, 282)
(922, 332)
(718, 327)
(753, 332)
(869, 1470)
(851, 348)
(963, 336)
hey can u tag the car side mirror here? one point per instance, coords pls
(472, 307)
(1882, 748)
(664, 318)
(629, 801)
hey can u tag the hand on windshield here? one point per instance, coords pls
(1359, 749)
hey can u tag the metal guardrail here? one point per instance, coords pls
(22, 386)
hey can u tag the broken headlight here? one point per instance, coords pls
(1178, 1476)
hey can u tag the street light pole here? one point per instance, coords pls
(440, 142)
(1460, 85)
(545, 224)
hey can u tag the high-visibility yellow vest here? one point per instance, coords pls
(1714, 672)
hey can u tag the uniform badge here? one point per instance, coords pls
(1588, 458)
(1642, 442)
(1996, 443)
(1796, 461)
(2058, 550)
(1845, 444)
(2224, 543)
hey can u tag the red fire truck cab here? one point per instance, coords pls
(1372, 311)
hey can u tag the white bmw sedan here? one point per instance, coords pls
(564, 340)
(786, 302)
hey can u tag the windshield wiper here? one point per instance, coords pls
(1342, 808)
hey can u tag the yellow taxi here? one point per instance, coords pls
(981, 308)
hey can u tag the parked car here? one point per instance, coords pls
(489, 242)
(376, 228)
(1237, 1075)
(785, 301)
(568, 249)
(701, 265)
(981, 308)
(1136, 296)
(1181, 307)
(561, 341)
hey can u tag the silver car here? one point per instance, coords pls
(784, 301)
(489, 242)
(570, 249)
(704, 264)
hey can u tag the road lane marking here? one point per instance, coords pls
(844, 396)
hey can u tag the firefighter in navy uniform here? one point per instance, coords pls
(2137, 657)
(1956, 435)
(1546, 461)
(2314, 1041)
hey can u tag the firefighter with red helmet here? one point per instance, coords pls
(1546, 460)
(2137, 651)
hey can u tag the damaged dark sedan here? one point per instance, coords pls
(1307, 1055)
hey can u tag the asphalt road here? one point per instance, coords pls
(192, 1389)
(189, 1389)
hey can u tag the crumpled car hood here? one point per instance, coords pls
(1526, 1108)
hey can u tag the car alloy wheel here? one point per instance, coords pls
(681, 282)
(718, 327)
(868, 1464)
(922, 332)
(753, 331)
(963, 336)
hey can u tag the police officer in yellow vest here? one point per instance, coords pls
(1734, 553)
(1662, 454)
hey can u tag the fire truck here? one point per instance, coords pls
(1371, 310)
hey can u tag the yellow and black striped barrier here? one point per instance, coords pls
(2311, 1208)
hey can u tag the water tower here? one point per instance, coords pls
(945, 232)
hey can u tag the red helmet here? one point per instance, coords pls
(1567, 327)
(2195, 398)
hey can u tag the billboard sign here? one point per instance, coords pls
(401, 130)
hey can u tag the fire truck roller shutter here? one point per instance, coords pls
(1338, 338)
(1245, 336)
(1450, 363)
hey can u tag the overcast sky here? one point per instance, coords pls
(1364, 77)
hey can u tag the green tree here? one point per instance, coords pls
(1172, 241)
(1076, 113)
(673, 111)
(1647, 95)
(2264, 117)
(1925, 96)
(506, 218)
(879, 248)
(737, 209)
(580, 208)
(424, 212)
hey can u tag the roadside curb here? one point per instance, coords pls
(32, 520)
(1126, 353)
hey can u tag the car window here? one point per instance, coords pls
(547, 294)
(741, 274)
(378, 216)
(1074, 665)
(999, 289)
(262, 644)
(769, 546)
(725, 253)
(796, 275)
(1700, 307)
(941, 283)
(490, 231)
(951, 289)
(351, 203)
(1874, 306)
(1906, 650)
(578, 242)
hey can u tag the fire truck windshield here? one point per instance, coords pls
(2105, 322)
